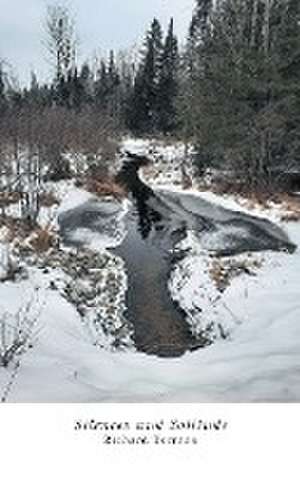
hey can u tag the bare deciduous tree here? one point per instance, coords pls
(61, 39)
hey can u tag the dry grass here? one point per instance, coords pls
(223, 271)
(290, 205)
(17, 334)
(9, 198)
(254, 197)
(291, 217)
(24, 238)
(11, 267)
(287, 203)
(187, 181)
(106, 187)
(43, 239)
(16, 228)
(48, 199)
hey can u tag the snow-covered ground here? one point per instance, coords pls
(212, 303)
(167, 160)
(259, 360)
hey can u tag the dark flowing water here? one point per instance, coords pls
(155, 224)
(159, 323)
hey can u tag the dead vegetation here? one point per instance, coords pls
(257, 196)
(16, 228)
(48, 199)
(9, 198)
(291, 208)
(18, 332)
(291, 217)
(43, 239)
(9, 266)
(104, 187)
(287, 203)
(222, 271)
(21, 236)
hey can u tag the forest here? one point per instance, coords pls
(231, 90)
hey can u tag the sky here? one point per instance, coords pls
(100, 24)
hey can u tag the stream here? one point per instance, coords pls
(155, 224)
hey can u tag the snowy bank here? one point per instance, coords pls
(256, 355)
(258, 361)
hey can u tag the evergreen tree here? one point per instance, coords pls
(113, 79)
(107, 87)
(86, 82)
(200, 26)
(101, 86)
(2, 86)
(200, 31)
(245, 77)
(167, 85)
(126, 73)
(192, 71)
(143, 116)
(113, 88)
(286, 89)
(33, 95)
(76, 91)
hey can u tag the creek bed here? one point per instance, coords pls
(146, 238)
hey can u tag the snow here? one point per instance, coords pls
(3, 260)
(112, 231)
(167, 160)
(258, 361)
(260, 364)
(207, 308)
(71, 196)
(228, 202)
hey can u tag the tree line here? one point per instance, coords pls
(137, 95)
(232, 90)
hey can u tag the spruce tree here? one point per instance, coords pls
(86, 84)
(245, 77)
(113, 88)
(2, 92)
(144, 116)
(113, 79)
(2, 86)
(194, 81)
(286, 88)
(101, 86)
(126, 74)
(108, 87)
(199, 33)
(168, 83)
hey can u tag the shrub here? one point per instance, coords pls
(9, 267)
(16, 333)
(48, 199)
(105, 188)
(42, 239)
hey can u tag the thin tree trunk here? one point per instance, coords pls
(268, 5)
(254, 23)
